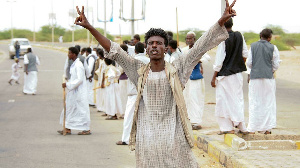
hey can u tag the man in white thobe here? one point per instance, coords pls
(228, 81)
(90, 63)
(77, 108)
(30, 75)
(194, 92)
(263, 61)
(132, 93)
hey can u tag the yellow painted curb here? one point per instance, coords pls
(228, 139)
(213, 151)
(298, 145)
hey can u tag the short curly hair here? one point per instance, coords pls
(157, 32)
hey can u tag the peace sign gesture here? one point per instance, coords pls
(81, 19)
(228, 13)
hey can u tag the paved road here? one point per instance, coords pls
(28, 124)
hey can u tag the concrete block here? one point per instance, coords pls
(271, 145)
(235, 142)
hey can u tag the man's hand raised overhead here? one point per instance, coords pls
(228, 13)
(81, 19)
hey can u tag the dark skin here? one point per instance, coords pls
(73, 57)
(156, 56)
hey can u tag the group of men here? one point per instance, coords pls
(262, 62)
(162, 94)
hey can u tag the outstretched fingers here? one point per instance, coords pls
(232, 4)
(78, 11)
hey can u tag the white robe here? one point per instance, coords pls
(113, 101)
(194, 94)
(262, 99)
(77, 107)
(229, 94)
(15, 74)
(100, 92)
(90, 85)
(30, 80)
(123, 91)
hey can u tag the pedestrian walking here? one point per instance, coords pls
(15, 74)
(30, 76)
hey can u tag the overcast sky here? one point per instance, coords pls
(252, 15)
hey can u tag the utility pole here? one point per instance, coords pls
(132, 19)
(223, 4)
(87, 15)
(104, 20)
(11, 18)
(33, 21)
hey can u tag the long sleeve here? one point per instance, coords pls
(128, 63)
(26, 61)
(220, 56)
(65, 67)
(249, 60)
(186, 63)
(245, 49)
(74, 83)
(276, 59)
(37, 60)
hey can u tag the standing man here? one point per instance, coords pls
(194, 92)
(174, 52)
(228, 81)
(90, 64)
(17, 48)
(30, 69)
(161, 132)
(263, 61)
(123, 80)
(77, 108)
(69, 62)
(132, 93)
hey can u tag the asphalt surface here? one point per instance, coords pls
(28, 123)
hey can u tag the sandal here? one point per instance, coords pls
(268, 132)
(111, 118)
(121, 143)
(196, 127)
(104, 115)
(225, 132)
(244, 133)
(68, 132)
(85, 132)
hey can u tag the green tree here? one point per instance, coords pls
(277, 30)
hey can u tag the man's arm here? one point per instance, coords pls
(215, 35)
(26, 62)
(82, 21)
(115, 52)
(80, 77)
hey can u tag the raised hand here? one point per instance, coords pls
(228, 13)
(81, 19)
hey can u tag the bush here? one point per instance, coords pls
(280, 45)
